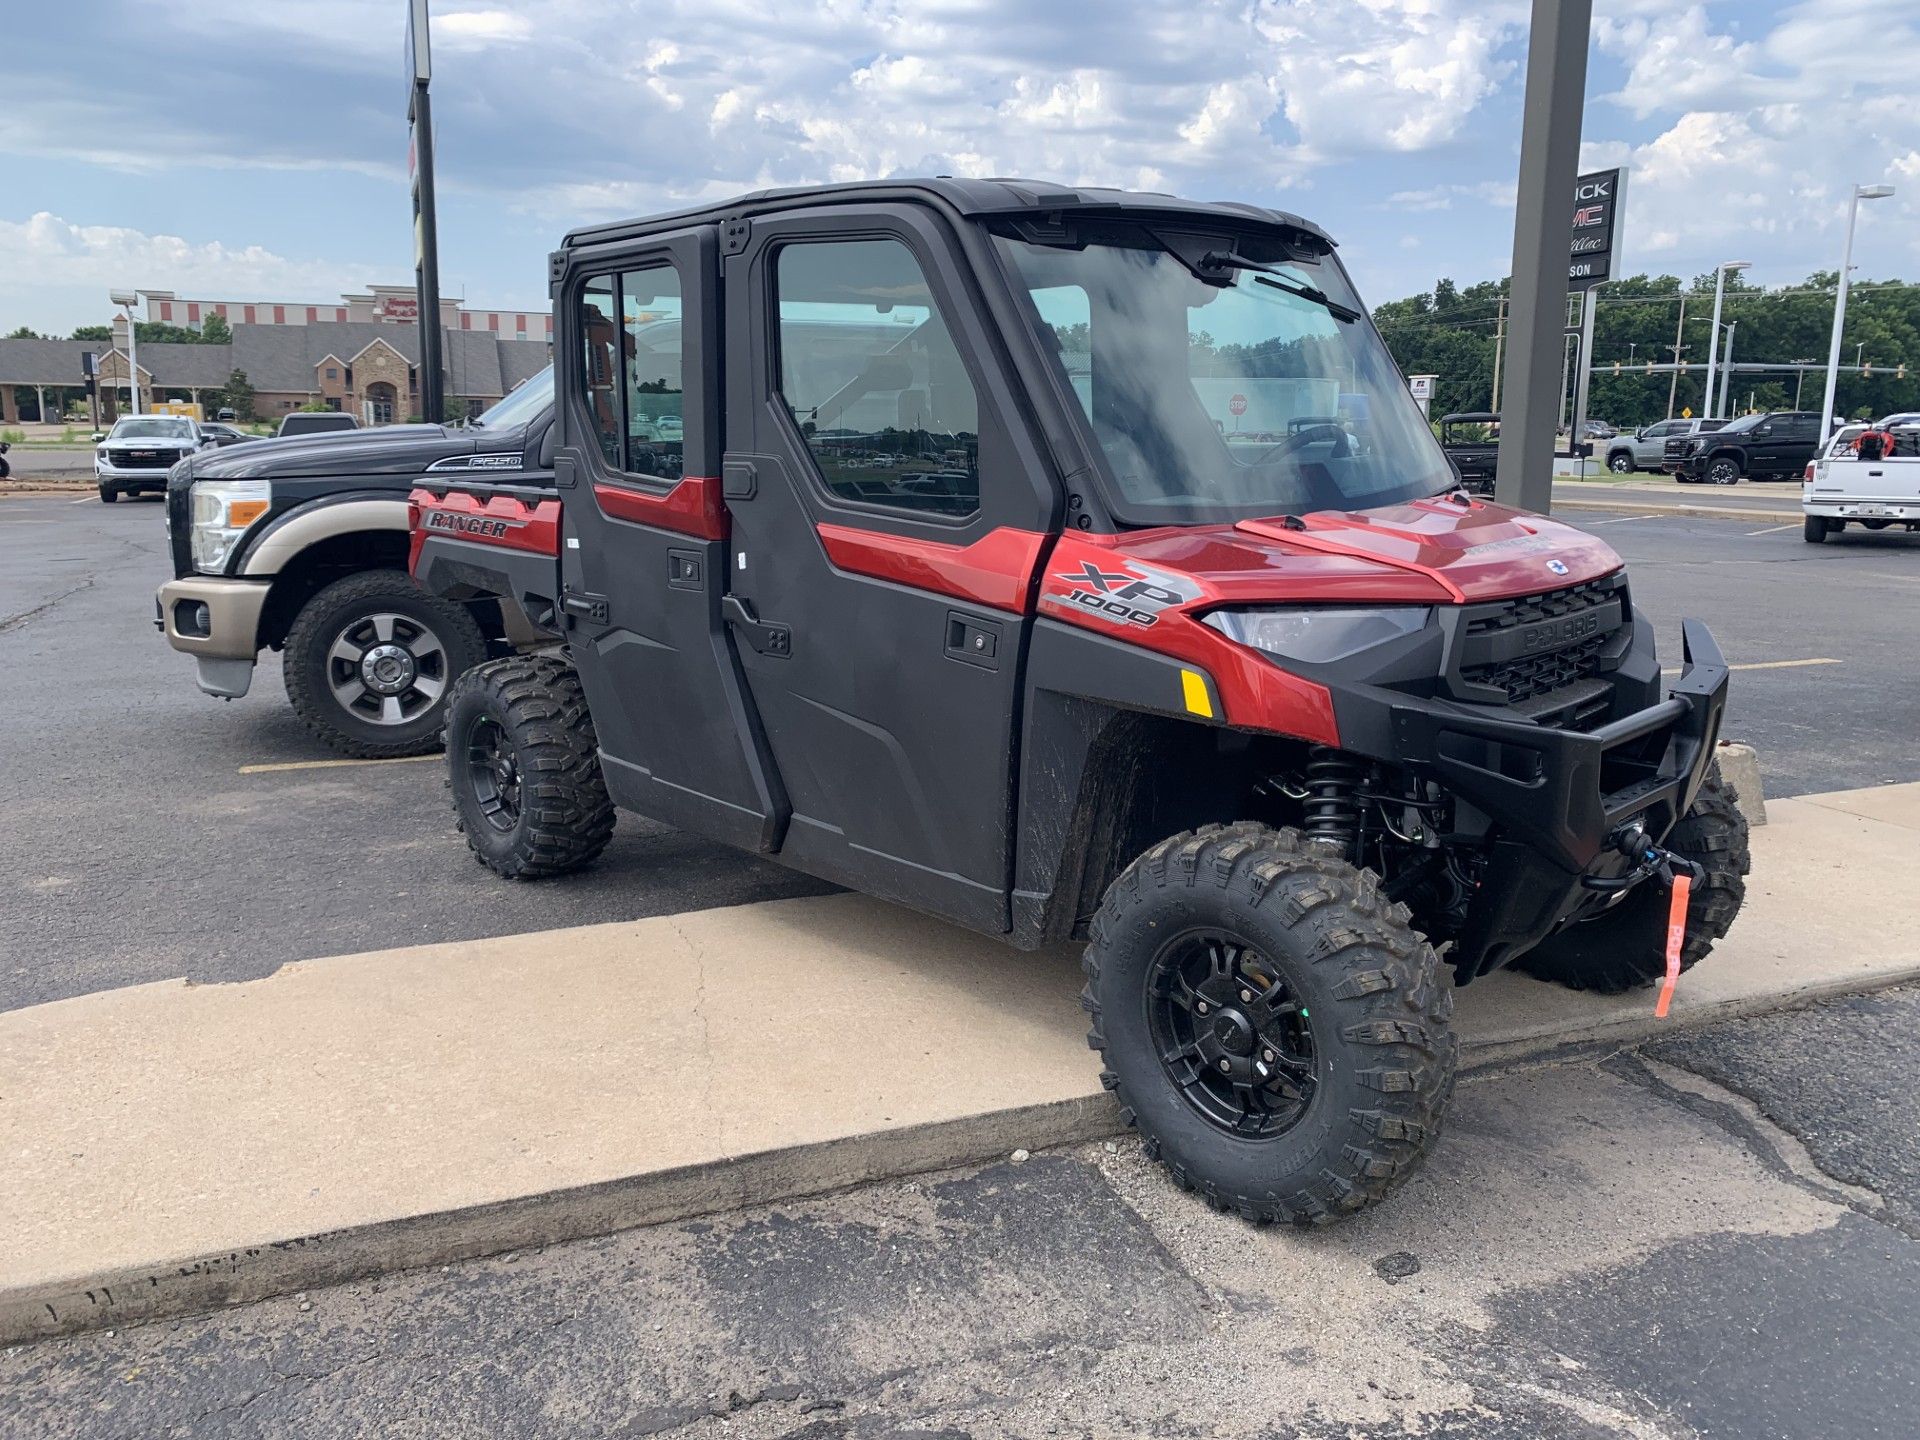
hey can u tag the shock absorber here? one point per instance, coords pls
(1333, 802)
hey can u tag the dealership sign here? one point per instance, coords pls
(1597, 201)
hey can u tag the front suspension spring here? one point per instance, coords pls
(1333, 800)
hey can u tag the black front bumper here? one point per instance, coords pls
(1553, 798)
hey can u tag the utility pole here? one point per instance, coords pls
(1499, 350)
(1542, 231)
(1726, 369)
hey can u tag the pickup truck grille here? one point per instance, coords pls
(144, 459)
(1677, 448)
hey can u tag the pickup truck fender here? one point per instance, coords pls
(319, 520)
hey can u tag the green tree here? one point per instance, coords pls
(102, 333)
(236, 395)
(27, 332)
(216, 331)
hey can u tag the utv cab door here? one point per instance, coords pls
(645, 552)
(888, 517)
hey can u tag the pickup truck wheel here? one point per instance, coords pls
(1274, 1027)
(523, 767)
(1625, 947)
(1621, 462)
(369, 662)
(108, 494)
(1724, 470)
(1814, 529)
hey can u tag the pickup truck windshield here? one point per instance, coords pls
(1259, 390)
(534, 397)
(152, 427)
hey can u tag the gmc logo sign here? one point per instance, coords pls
(1556, 633)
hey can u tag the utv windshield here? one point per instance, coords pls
(1226, 377)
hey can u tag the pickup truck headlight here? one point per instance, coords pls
(223, 510)
(1319, 636)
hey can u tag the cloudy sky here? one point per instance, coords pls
(257, 148)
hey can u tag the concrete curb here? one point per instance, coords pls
(1657, 507)
(192, 1284)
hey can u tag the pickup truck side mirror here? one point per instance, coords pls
(98, 436)
(1763, 430)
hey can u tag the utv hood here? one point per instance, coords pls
(1435, 552)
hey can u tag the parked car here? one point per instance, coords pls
(1274, 728)
(1599, 430)
(1869, 478)
(135, 456)
(1774, 445)
(224, 434)
(1646, 448)
(315, 422)
(1471, 441)
(300, 545)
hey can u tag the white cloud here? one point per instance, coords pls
(473, 29)
(52, 268)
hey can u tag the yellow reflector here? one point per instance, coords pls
(1194, 685)
(244, 512)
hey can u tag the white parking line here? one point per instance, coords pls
(85, 500)
(1770, 530)
(328, 764)
(1624, 519)
(1767, 665)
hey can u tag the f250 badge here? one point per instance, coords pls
(1134, 596)
(455, 523)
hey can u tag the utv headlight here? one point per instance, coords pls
(1319, 636)
(223, 510)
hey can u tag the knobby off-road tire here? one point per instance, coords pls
(523, 767)
(384, 613)
(1625, 947)
(1374, 1020)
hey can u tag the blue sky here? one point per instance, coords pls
(255, 149)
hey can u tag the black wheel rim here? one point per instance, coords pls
(1233, 1035)
(493, 773)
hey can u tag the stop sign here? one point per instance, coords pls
(1237, 405)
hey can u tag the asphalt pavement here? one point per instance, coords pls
(1704, 1237)
(154, 832)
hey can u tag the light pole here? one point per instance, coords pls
(1860, 192)
(1713, 343)
(1800, 378)
(127, 299)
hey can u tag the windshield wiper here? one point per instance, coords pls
(1306, 292)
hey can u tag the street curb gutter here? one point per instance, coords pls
(199, 1283)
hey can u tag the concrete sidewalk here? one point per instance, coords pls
(174, 1147)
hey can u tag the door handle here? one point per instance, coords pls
(764, 636)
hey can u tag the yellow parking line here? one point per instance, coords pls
(328, 764)
(1767, 665)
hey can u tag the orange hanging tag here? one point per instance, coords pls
(1676, 939)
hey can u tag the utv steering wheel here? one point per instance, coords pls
(1308, 436)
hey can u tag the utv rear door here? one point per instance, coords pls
(888, 517)
(644, 555)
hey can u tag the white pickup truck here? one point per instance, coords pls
(1865, 476)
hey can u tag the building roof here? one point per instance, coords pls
(47, 362)
(284, 358)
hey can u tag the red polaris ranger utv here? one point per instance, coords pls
(1074, 563)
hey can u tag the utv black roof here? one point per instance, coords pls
(962, 197)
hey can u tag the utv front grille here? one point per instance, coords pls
(1532, 676)
(1544, 656)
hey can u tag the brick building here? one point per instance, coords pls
(366, 367)
(378, 304)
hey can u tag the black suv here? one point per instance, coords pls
(1773, 446)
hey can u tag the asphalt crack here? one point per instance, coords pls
(1743, 1118)
(24, 617)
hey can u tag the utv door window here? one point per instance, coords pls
(870, 374)
(633, 370)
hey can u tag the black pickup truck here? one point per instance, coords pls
(1777, 445)
(1472, 443)
(300, 545)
